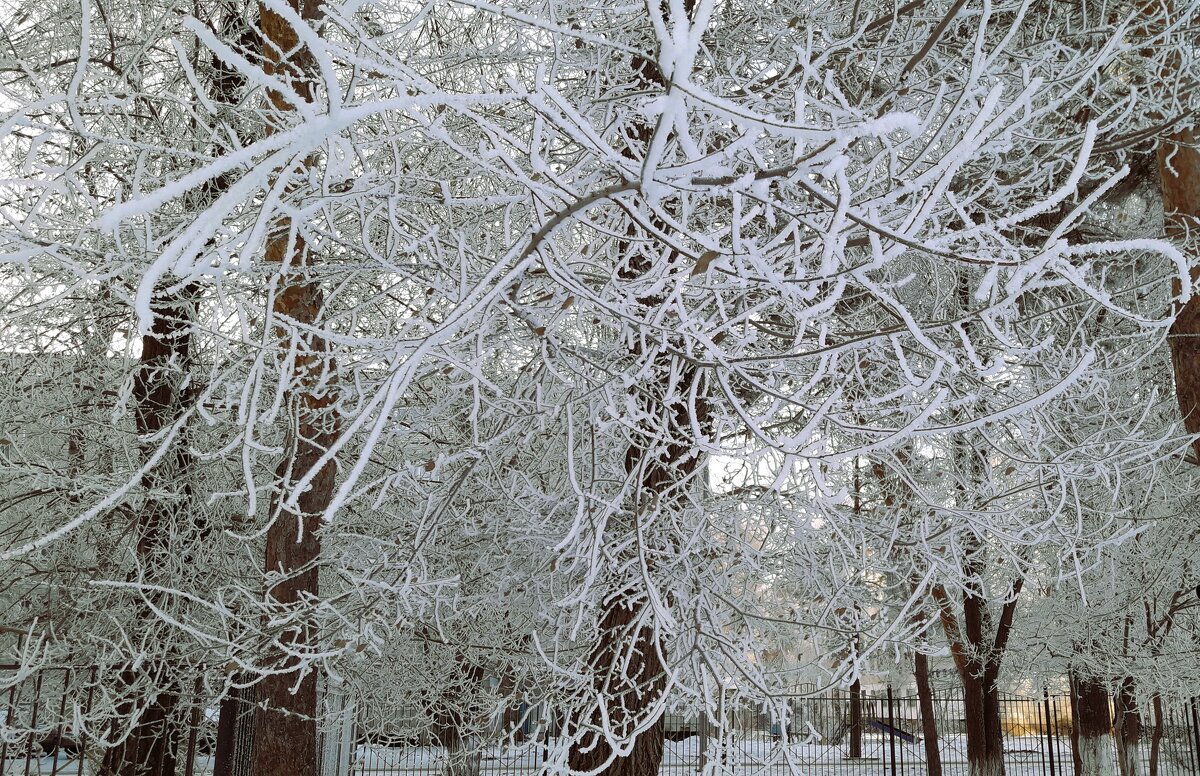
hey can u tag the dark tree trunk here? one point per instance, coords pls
(1178, 158)
(151, 747)
(160, 401)
(626, 663)
(978, 663)
(1091, 726)
(235, 734)
(457, 719)
(285, 730)
(985, 738)
(929, 734)
(1156, 735)
(627, 674)
(856, 719)
(1128, 726)
(981, 700)
(1179, 173)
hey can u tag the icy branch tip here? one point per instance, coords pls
(141, 304)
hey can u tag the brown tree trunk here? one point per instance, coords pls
(1179, 172)
(1091, 727)
(285, 731)
(626, 663)
(985, 742)
(856, 719)
(985, 749)
(150, 749)
(235, 734)
(458, 719)
(929, 732)
(1156, 735)
(628, 677)
(1128, 725)
(978, 663)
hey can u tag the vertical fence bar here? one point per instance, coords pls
(1049, 735)
(891, 729)
(37, 699)
(1043, 735)
(62, 707)
(1058, 739)
(87, 710)
(1195, 731)
(12, 699)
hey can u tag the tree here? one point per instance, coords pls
(733, 261)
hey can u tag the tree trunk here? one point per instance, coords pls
(159, 400)
(285, 740)
(978, 666)
(856, 719)
(1179, 178)
(464, 756)
(150, 748)
(458, 718)
(627, 675)
(1128, 725)
(1178, 160)
(235, 734)
(985, 741)
(1156, 735)
(929, 733)
(626, 663)
(1179, 173)
(1091, 727)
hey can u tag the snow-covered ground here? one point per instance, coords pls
(1025, 756)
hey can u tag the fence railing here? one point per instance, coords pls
(44, 724)
(44, 718)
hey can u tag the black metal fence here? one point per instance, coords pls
(45, 717)
(46, 713)
(816, 739)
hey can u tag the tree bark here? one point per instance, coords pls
(978, 664)
(1179, 174)
(235, 734)
(626, 663)
(1128, 725)
(929, 732)
(627, 674)
(1156, 735)
(151, 747)
(1091, 727)
(285, 735)
(985, 738)
(160, 401)
(457, 719)
(856, 719)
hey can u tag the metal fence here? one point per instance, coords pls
(816, 739)
(43, 728)
(44, 732)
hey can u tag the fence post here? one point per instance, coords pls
(1049, 736)
(702, 760)
(891, 730)
(37, 702)
(1195, 728)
